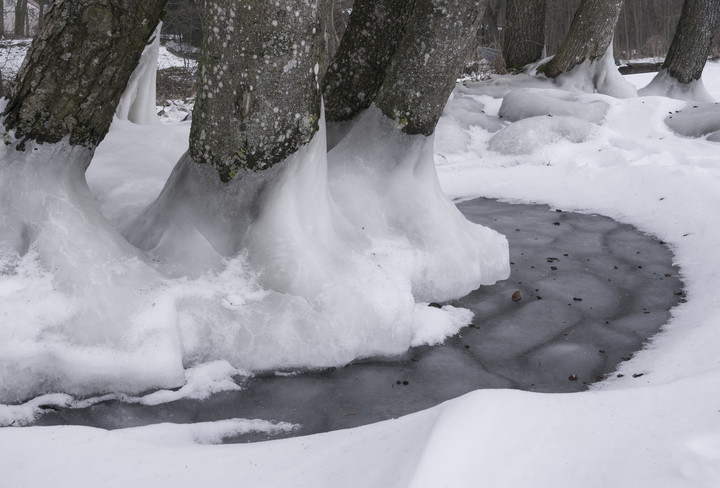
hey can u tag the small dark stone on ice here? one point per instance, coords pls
(576, 299)
(406, 382)
(667, 275)
(620, 375)
(637, 375)
(558, 210)
(556, 223)
(553, 268)
(516, 297)
(573, 377)
(467, 347)
(434, 305)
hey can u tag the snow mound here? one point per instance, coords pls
(695, 120)
(526, 135)
(530, 102)
(664, 85)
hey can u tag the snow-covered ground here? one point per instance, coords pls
(584, 152)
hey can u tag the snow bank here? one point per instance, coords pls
(525, 136)
(529, 102)
(664, 85)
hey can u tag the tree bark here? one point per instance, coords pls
(258, 98)
(77, 68)
(358, 68)
(691, 43)
(590, 35)
(524, 33)
(424, 69)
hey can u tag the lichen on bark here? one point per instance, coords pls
(77, 68)
(258, 97)
(425, 66)
(357, 70)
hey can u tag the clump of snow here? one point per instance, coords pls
(137, 103)
(526, 135)
(664, 85)
(695, 120)
(529, 102)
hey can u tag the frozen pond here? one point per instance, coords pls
(584, 294)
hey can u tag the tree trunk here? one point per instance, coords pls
(524, 37)
(258, 99)
(20, 14)
(2, 20)
(693, 36)
(590, 35)
(41, 13)
(358, 68)
(77, 68)
(424, 69)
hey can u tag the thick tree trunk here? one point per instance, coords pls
(691, 44)
(2, 19)
(424, 69)
(524, 33)
(590, 35)
(77, 68)
(258, 98)
(358, 68)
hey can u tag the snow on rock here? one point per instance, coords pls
(664, 85)
(529, 102)
(525, 136)
(137, 103)
(695, 120)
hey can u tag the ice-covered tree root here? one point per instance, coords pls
(81, 311)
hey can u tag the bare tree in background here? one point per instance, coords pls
(20, 16)
(590, 36)
(524, 33)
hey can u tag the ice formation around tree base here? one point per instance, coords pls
(263, 273)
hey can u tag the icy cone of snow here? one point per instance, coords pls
(137, 103)
(599, 76)
(385, 183)
(664, 85)
(80, 311)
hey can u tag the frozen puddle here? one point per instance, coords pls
(591, 292)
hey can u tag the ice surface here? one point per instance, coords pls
(664, 85)
(137, 103)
